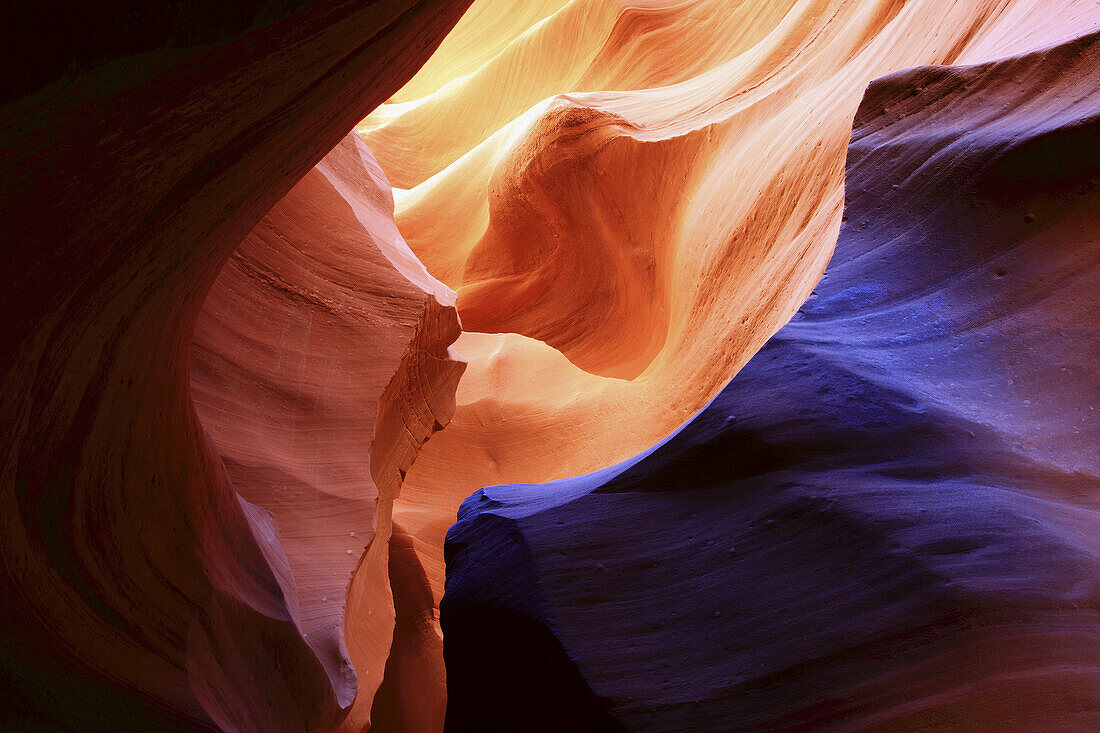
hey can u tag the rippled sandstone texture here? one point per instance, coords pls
(138, 590)
(888, 518)
(629, 199)
(320, 366)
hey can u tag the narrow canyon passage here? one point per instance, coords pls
(564, 365)
(546, 183)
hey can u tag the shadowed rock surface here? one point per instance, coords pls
(888, 518)
(141, 144)
(222, 365)
(630, 199)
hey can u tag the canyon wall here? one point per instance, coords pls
(228, 365)
(141, 144)
(320, 366)
(887, 520)
(630, 198)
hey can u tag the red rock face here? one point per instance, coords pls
(219, 503)
(320, 366)
(628, 215)
(139, 590)
(887, 519)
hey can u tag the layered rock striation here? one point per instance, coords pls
(888, 518)
(320, 366)
(138, 589)
(219, 504)
(630, 199)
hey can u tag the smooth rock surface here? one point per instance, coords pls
(140, 146)
(320, 365)
(630, 198)
(888, 519)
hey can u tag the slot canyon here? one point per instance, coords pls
(551, 366)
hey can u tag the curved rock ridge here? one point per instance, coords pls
(320, 365)
(887, 520)
(629, 199)
(138, 590)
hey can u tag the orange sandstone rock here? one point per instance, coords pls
(320, 367)
(629, 199)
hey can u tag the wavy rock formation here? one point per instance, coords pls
(219, 504)
(138, 590)
(321, 328)
(888, 518)
(630, 199)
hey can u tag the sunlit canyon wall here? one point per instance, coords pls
(793, 304)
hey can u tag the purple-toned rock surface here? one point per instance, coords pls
(888, 518)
